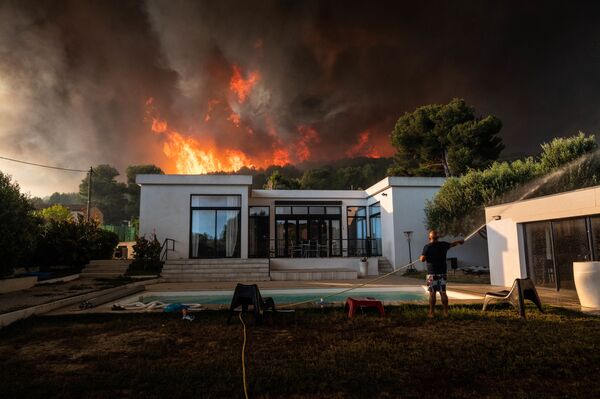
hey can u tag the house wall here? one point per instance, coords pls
(165, 211)
(505, 227)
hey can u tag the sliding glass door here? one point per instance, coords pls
(215, 226)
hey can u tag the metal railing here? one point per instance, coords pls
(164, 249)
(316, 249)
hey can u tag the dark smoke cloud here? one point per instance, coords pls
(75, 75)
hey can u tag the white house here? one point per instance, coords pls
(541, 238)
(220, 220)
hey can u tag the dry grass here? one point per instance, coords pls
(314, 354)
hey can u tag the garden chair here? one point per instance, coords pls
(245, 295)
(522, 289)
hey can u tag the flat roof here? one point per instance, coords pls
(204, 180)
(246, 180)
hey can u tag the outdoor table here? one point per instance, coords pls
(363, 302)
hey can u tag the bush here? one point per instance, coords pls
(146, 257)
(18, 227)
(458, 208)
(73, 244)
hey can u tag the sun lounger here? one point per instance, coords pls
(523, 288)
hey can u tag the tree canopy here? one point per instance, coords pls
(458, 207)
(133, 190)
(55, 212)
(444, 140)
(107, 194)
(18, 226)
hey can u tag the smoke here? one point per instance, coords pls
(76, 77)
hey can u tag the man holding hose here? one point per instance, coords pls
(434, 254)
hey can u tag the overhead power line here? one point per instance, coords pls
(44, 166)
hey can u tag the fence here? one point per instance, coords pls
(125, 233)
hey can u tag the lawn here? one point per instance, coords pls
(314, 354)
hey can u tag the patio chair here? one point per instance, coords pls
(523, 288)
(245, 295)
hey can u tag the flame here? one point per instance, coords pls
(234, 118)
(240, 86)
(191, 157)
(308, 137)
(209, 110)
(363, 148)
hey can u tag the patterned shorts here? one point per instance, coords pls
(436, 282)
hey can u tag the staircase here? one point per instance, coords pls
(106, 268)
(384, 266)
(187, 270)
(314, 274)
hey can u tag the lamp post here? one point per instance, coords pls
(408, 235)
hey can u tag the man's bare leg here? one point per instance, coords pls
(445, 303)
(431, 303)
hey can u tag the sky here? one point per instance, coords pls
(200, 86)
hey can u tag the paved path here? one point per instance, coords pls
(46, 293)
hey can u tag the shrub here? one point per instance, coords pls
(146, 255)
(18, 227)
(458, 207)
(73, 244)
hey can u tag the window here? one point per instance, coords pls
(305, 230)
(357, 230)
(375, 229)
(258, 232)
(215, 226)
(551, 247)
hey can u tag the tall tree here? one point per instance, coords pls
(107, 194)
(445, 140)
(18, 226)
(276, 181)
(66, 198)
(133, 190)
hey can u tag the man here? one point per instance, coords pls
(434, 254)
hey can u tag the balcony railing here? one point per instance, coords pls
(317, 249)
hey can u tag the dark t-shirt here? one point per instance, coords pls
(435, 256)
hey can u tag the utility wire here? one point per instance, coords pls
(44, 166)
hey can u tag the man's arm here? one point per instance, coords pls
(457, 242)
(423, 256)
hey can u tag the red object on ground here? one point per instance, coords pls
(354, 303)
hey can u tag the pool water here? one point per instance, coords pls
(404, 294)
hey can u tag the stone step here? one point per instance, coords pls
(182, 278)
(186, 269)
(313, 274)
(116, 262)
(228, 261)
(217, 271)
(101, 274)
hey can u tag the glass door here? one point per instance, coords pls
(570, 245)
(539, 254)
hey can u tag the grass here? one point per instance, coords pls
(314, 354)
(454, 277)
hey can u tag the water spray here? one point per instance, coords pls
(475, 232)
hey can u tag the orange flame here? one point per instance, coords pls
(308, 136)
(240, 86)
(234, 118)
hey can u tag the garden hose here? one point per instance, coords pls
(243, 359)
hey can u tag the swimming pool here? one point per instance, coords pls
(287, 296)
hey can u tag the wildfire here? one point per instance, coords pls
(362, 147)
(240, 86)
(308, 137)
(204, 148)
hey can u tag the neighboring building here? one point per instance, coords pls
(542, 237)
(80, 211)
(221, 216)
